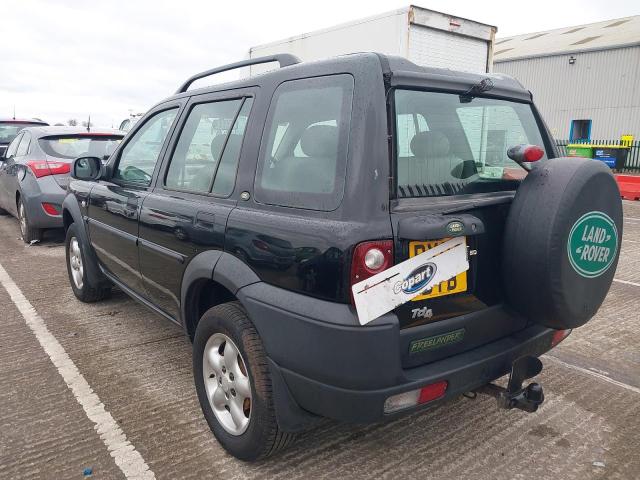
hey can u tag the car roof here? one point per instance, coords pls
(50, 131)
(392, 66)
(22, 120)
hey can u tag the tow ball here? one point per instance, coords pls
(528, 398)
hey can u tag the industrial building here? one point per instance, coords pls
(585, 79)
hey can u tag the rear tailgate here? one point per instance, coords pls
(467, 309)
(452, 177)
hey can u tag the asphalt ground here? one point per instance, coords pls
(108, 387)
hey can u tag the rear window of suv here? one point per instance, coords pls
(446, 146)
(304, 149)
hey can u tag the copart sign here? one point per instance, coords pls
(383, 292)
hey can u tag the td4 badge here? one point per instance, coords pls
(424, 312)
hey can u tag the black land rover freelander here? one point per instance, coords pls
(352, 238)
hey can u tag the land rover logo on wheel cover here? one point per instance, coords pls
(416, 280)
(592, 244)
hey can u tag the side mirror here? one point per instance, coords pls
(87, 168)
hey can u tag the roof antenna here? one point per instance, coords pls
(89, 124)
(14, 112)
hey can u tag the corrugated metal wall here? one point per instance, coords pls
(603, 86)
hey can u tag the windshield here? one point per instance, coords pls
(74, 146)
(446, 146)
(10, 130)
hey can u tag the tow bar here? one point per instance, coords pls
(528, 398)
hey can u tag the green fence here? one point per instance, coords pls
(632, 164)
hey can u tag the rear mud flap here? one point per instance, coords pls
(527, 398)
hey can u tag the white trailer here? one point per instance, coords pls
(423, 36)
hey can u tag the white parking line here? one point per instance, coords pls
(626, 282)
(126, 457)
(593, 374)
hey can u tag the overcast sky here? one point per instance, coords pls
(68, 59)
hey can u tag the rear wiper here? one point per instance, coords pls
(483, 85)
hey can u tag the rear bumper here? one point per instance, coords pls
(34, 193)
(464, 372)
(327, 364)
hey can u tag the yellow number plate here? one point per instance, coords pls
(455, 285)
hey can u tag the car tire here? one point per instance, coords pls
(255, 435)
(27, 231)
(77, 270)
(546, 239)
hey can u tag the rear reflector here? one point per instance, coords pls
(410, 399)
(51, 209)
(558, 336)
(433, 392)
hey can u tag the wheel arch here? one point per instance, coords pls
(71, 214)
(211, 278)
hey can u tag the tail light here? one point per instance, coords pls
(42, 168)
(558, 336)
(370, 258)
(525, 154)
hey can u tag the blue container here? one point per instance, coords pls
(613, 156)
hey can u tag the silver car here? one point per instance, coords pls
(34, 172)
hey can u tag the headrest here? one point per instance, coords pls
(320, 141)
(429, 145)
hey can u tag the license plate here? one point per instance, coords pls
(456, 284)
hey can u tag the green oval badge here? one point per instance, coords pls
(592, 244)
(455, 227)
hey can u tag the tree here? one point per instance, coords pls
(72, 122)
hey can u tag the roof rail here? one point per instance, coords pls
(284, 59)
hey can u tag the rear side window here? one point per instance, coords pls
(206, 156)
(304, 149)
(74, 146)
(23, 147)
(11, 149)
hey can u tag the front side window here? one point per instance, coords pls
(207, 153)
(140, 155)
(448, 146)
(304, 148)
